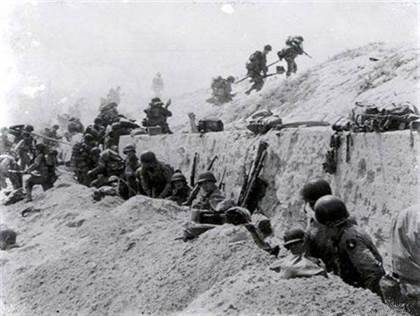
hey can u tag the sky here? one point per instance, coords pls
(54, 53)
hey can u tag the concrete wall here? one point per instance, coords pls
(380, 179)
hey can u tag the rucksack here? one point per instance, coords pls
(205, 126)
(294, 41)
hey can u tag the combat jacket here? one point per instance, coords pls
(257, 63)
(110, 163)
(209, 201)
(39, 167)
(156, 183)
(358, 260)
(290, 53)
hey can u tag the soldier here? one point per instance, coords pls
(209, 196)
(5, 143)
(180, 189)
(39, 173)
(221, 90)
(358, 260)
(154, 176)
(97, 130)
(297, 263)
(129, 186)
(157, 85)
(257, 68)
(109, 114)
(402, 286)
(81, 159)
(25, 146)
(110, 163)
(289, 54)
(51, 162)
(318, 243)
(157, 115)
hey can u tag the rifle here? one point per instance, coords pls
(221, 183)
(251, 177)
(193, 169)
(50, 138)
(306, 54)
(168, 103)
(268, 66)
(196, 187)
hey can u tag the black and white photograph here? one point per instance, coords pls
(235, 158)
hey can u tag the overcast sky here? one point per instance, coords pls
(81, 49)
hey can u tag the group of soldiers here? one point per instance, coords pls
(24, 155)
(257, 70)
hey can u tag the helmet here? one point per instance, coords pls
(178, 176)
(155, 101)
(148, 157)
(88, 137)
(40, 147)
(267, 47)
(231, 78)
(28, 128)
(293, 236)
(129, 148)
(330, 210)
(98, 121)
(95, 151)
(206, 176)
(315, 189)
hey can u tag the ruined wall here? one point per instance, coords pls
(379, 179)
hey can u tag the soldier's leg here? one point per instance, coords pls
(294, 67)
(289, 68)
(29, 184)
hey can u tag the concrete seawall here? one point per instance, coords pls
(380, 178)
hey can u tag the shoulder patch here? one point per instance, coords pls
(351, 244)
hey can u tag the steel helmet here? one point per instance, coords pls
(293, 236)
(330, 210)
(267, 47)
(88, 137)
(315, 189)
(129, 148)
(178, 176)
(148, 157)
(40, 147)
(206, 176)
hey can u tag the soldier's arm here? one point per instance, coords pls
(144, 181)
(35, 165)
(215, 199)
(368, 266)
(167, 189)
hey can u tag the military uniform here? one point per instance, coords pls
(82, 161)
(25, 149)
(110, 163)
(156, 183)
(209, 200)
(358, 260)
(289, 54)
(39, 175)
(157, 115)
(131, 186)
(180, 190)
(97, 131)
(257, 69)
(5, 143)
(109, 114)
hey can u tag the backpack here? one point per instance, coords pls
(205, 126)
(294, 41)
